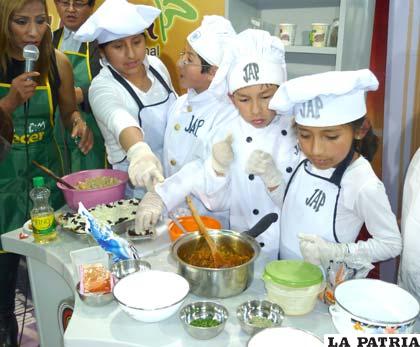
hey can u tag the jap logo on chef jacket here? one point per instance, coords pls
(311, 108)
(251, 72)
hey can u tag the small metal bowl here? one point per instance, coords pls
(256, 315)
(93, 299)
(126, 267)
(203, 310)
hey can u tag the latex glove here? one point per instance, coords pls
(148, 212)
(314, 249)
(222, 155)
(261, 164)
(145, 169)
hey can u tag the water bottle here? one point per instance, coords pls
(42, 214)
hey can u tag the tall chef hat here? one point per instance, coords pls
(326, 99)
(258, 59)
(116, 19)
(208, 38)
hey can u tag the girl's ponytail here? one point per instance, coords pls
(368, 145)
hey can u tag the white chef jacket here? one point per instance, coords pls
(246, 195)
(409, 272)
(192, 121)
(115, 109)
(362, 199)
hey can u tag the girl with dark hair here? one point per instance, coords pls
(132, 93)
(31, 99)
(334, 190)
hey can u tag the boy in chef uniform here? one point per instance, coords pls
(334, 189)
(131, 96)
(192, 119)
(247, 153)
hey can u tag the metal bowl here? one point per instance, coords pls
(126, 267)
(203, 310)
(222, 282)
(256, 315)
(92, 299)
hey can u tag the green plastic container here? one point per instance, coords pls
(293, 284)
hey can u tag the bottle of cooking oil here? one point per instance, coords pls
(42, 214)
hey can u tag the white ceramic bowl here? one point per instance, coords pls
(151, 296)
(284, 336)
(373, 307)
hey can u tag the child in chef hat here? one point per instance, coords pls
(192, 119)
(334, 189)
(256, 152)
(132, 93)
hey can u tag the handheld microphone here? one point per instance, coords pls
(31, 55)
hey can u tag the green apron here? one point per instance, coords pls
(16, 170)
(76, 160)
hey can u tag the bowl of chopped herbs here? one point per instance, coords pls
(203, 319)
(256, 315)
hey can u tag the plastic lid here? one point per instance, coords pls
(38, 181)
(293, 273)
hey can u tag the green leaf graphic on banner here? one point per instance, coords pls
(172, 9)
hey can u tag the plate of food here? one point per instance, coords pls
(120, 215)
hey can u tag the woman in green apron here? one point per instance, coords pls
(24, 22)
(84, 58)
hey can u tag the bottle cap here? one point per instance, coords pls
(38, 181)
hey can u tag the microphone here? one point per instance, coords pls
(31, 55)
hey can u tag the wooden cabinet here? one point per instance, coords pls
(354, 30)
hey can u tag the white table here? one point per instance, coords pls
(53, 281)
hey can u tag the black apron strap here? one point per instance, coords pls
(130, 90)
(336, 179)
(160, 79)
(303, 162)
(341, 168)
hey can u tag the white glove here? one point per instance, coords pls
(222, 155)
(261, 164)
(145, 169)
(315, 249)
(148, 212)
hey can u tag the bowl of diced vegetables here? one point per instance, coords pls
(204, 320)
(256, 315)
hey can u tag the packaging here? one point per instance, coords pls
(287, 33)
(318, 35)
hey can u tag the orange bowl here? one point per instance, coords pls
(190, 225)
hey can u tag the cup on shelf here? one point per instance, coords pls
(318, 35)
(287, 33)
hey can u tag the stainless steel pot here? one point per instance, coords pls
(223, 282)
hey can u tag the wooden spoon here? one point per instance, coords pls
(217, 257)
(53, 175)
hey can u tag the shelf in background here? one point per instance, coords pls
(273, 4)
(311, 50)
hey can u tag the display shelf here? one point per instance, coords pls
(311, 50)
(354, 30)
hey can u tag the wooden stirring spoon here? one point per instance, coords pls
(52, 174)
(217, 257)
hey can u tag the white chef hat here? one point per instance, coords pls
(116, 19)
(325, 99)
(258, 59)
(207, 39)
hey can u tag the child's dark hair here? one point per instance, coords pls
(102, 45)
(205, 66)
(91, 3)
(368, 145)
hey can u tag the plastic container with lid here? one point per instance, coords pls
(293, 284)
